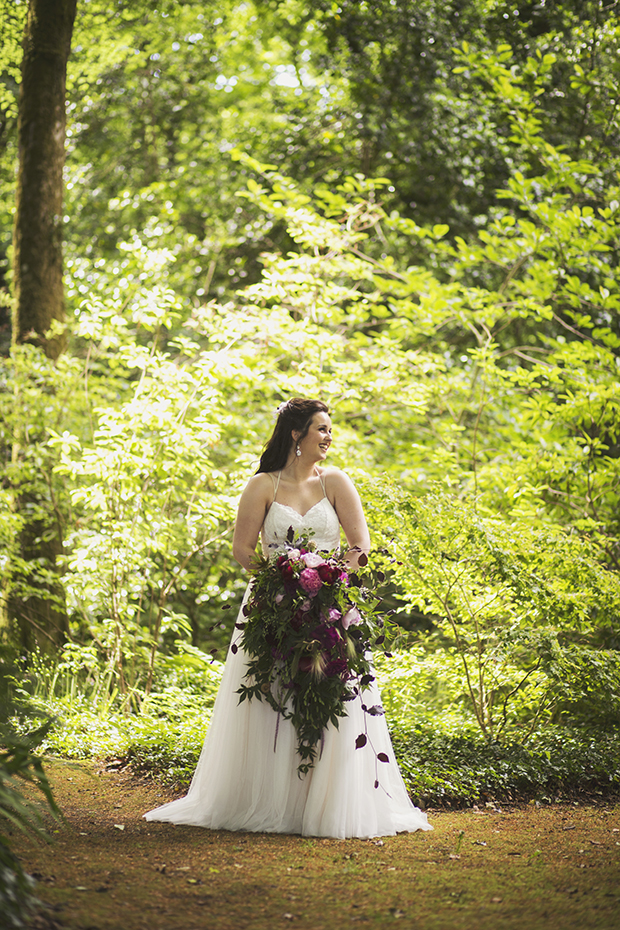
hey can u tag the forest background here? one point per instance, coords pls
(409, 209)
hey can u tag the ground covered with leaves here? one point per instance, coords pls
(540, 866)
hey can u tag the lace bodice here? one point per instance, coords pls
(321, 518)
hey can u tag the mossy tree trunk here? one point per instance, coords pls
(37, 602)
(37, 240)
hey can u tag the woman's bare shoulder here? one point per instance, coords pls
(259, 485)
(262, 478)
(336, 477)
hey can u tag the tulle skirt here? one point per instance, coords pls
(247, 778)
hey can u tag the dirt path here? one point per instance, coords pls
(107, 869)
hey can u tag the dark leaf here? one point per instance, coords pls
(361, 741)
(382, 757)
(239, 626)
(245, 610)
(379, 640)
(362, 559)
(376, 710)
(381, 576)
(366, 679)
(226, 606)
(388, 655)
(376, 784)
(234, 649)
(364, 707)
(213, 651)
(290, 534)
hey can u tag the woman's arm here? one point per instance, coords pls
(253, 506)
(348, 506)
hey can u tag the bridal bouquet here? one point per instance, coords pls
(309, 626)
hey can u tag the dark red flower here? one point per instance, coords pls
(337, 667)
(328, 636)
(328, 573)
(298, 619)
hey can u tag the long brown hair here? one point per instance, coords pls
(295, 414)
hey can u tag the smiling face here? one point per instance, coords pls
(317, 440)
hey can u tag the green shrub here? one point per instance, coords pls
(452, 769)
(20, 767)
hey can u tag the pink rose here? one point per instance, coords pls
(312, 560)
(310, 581)
(293, 555)
(351, 618)
(333, 615)
(279, 598)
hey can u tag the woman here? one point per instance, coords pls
(247, 779)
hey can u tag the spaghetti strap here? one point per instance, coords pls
(276, 483)
(320, 477)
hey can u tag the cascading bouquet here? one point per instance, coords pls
(309, 626)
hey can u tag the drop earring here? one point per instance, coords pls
(297, 450)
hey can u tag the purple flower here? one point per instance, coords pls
(310, 581)
(328, 636)
(333, 615)
(352, 617)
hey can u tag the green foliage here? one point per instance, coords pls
(21, 774)
(523, 611)
(455, 768)
(163, 732)
(459, 315)
(147, 486)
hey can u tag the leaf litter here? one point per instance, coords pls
(551, 867)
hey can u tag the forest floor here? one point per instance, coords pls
(550, 867)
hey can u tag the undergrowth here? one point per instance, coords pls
(452, 770)
(444, 759)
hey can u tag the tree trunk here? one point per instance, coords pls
(37, 601)
(37, 237)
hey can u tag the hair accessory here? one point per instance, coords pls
(281, 408)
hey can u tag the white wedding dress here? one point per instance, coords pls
(246, 779)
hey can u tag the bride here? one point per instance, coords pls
(245, 778)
